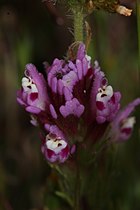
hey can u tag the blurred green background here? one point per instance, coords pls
(31, 32)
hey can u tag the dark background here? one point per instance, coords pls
(29, 32)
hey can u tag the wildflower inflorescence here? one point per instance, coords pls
(73, 103)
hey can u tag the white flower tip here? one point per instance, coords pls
(129, 122)
(96, 64)
(25, 80)
(123, 10)
(109, 90)
(25, 83)
(106, 91)
(55, 144)
(88, 58)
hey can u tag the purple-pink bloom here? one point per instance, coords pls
(72, 107)
(53, 129)
(104, 102)
(61, 75)
(33, 94)
(72, 102)
(107, 103)
(55, 149)
(122, 125)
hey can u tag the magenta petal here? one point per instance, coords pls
(50, 156)
(21, 102)
(100, 119)
(73, 149)
(47, 127)
(39, 80)
(127, 131)
(81, 52)
(124, 114)
(64, 154)
(67, 93)
(104, 82)
(117, 132)
(79, 69)
(33, 110)
(98, 77)
(72, 107)
(85, 66)
(54, 85)
(128, 109)
(100, 105)
(60, 87)
(53, 112)
(64, 111)
(20, 98)
(54, 130)
(50, 153)
(72, 66)
(50, 76)
(116, 97)
(33, 96)
(79, 111)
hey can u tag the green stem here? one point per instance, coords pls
(138, 26)
(77, 185)
(78, 23)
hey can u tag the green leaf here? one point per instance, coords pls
(65, 197)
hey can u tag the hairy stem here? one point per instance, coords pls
(138, 26)
(78, 23)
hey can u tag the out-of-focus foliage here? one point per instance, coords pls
(29, 32)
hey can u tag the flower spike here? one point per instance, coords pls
(73, 100)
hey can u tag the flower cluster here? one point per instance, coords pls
(73, 102)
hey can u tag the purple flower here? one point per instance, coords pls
(62, 76)
(55, 149)
(71, 103)
(72, 107)
(53, 129)
(107, 104)
(122, 125)
(33, 94)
